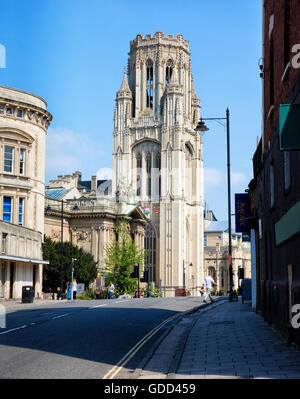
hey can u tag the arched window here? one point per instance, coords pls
(148, 170)
(150, 248)
(149, 84)
(158, 166)
(138, 175)
(169, 70)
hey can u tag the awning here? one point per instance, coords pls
(289, 127)
(26, 260)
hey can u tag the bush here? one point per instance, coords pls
(103, 294)
(90, 293)
(155, 292)
(84, 297)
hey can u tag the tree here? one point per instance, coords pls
(85, 268)
(121, 257)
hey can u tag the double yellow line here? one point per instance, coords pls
(125, 359)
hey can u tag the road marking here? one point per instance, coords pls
(58, 317)
(98, 306)
(125, 359)
(14, 329)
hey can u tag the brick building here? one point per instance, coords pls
(275, 188)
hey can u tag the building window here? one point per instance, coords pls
(3, 246)
(20, 113)
(22, 161)
(138, 177)
(148, 169)
(169, 71)
(9, 111)
(7, 209)
(272, 199)
(8, 159)
(21, 211)
(1, 109)
(158, 167)
(205, 241)
(287, 171)
(149, 85)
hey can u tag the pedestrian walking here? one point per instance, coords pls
(59, 293)
(111, 289)
(74, 288)
(209, 282)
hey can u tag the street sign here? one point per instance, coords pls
(242, 213)
(80, 288)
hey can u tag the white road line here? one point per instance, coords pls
(98, 306)
(58, 317)
(14, 329)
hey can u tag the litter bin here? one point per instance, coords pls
(27, 294)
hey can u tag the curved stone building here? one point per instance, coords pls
(24, 121)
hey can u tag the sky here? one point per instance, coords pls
(72, 53)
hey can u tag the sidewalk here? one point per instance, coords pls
(224, 340)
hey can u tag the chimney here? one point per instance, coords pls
(94, 183)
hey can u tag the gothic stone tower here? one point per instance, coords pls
(157, 158)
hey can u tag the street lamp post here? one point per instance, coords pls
(202, 127)
(184, 274)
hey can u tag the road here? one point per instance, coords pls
(84, 339)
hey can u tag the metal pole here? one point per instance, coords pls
(72, 279)
(138, 280)
(229, 206)
(183, 275)
(62, 245)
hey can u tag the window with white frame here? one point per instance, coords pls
(7, 209)
(22, 161)
(3, 247)
(8, 159)
(21, 211)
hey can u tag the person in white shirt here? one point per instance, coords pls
(209, 282)
(111, 289)
(74, 288)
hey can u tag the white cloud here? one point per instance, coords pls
(238, 178)
(104, 174)
(213, 178)
(68, 151)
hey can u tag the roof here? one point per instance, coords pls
(55, 193)
(217, 226)
(86, 184)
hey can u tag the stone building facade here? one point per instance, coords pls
(89, 216)
(157, 158)
(24, 121)
(216, 238)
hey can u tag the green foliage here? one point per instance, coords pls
(103, 294)
(85, 270)
(155, 292)
(84, 297)
(90, 293)
(121, 257)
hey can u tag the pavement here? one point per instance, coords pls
(222, 340)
